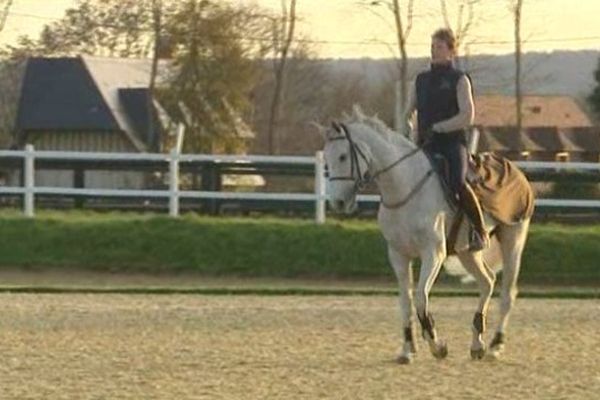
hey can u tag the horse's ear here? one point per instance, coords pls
(358, 112)
(319, 128)
(344, 128)
(336, 127)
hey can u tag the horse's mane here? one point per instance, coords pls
(377, 125)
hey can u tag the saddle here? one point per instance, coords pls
(501, 188)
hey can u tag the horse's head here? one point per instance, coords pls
(347, 165)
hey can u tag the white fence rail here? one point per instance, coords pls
(174, 194)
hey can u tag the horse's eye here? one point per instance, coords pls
(342, 158)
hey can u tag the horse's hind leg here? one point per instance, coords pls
(473, 262)
(512, 242)
(401, 265)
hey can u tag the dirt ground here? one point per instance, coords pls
(249, 347)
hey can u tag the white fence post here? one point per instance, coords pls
(29, 172)
(174, 183)
(179, 141)
(320, 188)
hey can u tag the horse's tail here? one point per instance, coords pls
(492, 257)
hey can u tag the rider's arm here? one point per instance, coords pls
(466, 113)
(409, 111)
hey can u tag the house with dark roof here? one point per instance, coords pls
(99, 104)
(537, 111)
(88, 104)
(554, 128)
(96, 104)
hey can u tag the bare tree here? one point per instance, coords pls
(157, 32)
(465, 18)
(10, 73)
(4, 10)
(403, 26)
(402, 33)
(284, 36)
(516, 7)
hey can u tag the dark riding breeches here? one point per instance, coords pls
(457, 156)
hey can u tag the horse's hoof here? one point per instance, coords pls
(477, 354)
(493, 355)
(497, 343)
(403, 359)
(498, 348)
(496, 351)
(441, 352)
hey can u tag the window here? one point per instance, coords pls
(562, 156)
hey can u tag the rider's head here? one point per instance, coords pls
(443, 46)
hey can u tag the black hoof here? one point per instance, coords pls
(442, 352)
(477, 354)
(403, 360)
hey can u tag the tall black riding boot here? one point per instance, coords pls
(470, 204)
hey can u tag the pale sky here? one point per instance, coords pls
(344, 29)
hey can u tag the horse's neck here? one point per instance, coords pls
(382, 151)
(398, 181)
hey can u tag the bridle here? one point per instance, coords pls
(361, 180)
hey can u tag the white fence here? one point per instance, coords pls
(29, 190)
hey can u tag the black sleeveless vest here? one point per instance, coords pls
(436, 100)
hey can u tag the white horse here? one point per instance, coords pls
(415, 218)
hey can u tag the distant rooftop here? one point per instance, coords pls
(538, 111)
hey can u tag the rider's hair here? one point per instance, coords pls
(446, 35)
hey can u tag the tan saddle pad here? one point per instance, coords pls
(502, 189)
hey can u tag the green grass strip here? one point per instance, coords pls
(256, 247)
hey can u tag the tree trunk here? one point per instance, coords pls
(156, 17)
(4, 13)
(403, 56)
(518, 93)
(273, 132)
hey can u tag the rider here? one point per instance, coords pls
(443, 99)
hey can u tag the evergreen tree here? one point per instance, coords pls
(594, 98)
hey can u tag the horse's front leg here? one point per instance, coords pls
(402, 267)
(431, 262)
